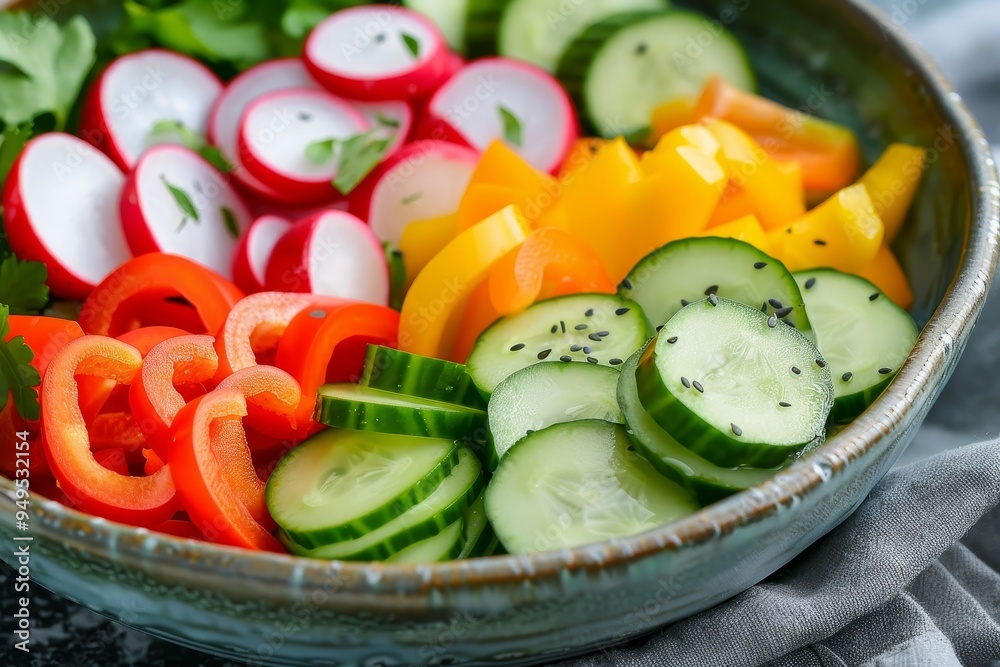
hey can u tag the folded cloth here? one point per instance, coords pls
(910, 580)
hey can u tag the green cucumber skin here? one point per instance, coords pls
(399, 372)
(363, 525)
(399, 541)
(848, 408)
(452, 551)
(694, 433)
(706, 480)
(482, 27)
(359, 415)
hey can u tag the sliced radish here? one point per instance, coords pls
(500, 98)
(391, 119)
(176, 202)
(424, 180)
(330, 254)
(377, 53)
(226, 114)
(254, 251)
(142, 89)
(277, 131)
(60, 205)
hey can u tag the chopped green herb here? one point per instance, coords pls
(359, 155)
(194, 141)
(184, 203)
(17, 375)
(320, 152)
(397, 276)
(411, 44)
(229, 220)
(14, 139)
(512, 129)
(387, 121)
(22, 286)
(409, 199)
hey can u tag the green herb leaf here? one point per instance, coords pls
(22, 286)
(411, 44)
(409, 199)
(48, 65)
(301, 17)
(387, 121)
(359, 155)
(320, 152)
(14, 139)
(184, 203)
(229, 220)
(512, 129)
(194, 141)
(397, 276)
(17, 375)
(217, 159)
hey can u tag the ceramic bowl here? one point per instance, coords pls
(836, 58)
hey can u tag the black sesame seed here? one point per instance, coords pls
(796, 370)
(562, 325)
(672, 340)
(776, 304)
(397, 253)
(575, 348)
(788, 231)
(589, 313)
(517, 348)
(659, 327)
(686, 383)
(782, 313)
(697, 385)
(555, 328)
(772, 321)
(529, 432)
(580, 327)
(626, 284)
(603, 334)
(380, 38)
(820, 242)
(759, 265)
(874, 297)
(587, 350)
(821, 363)
(591, 360)
(631, 448)
(714, 289)
(714, 300)
(685, 303)
(544, 354)
(785, 404)
(737, 431)
(616, 362)
(622, 311)
(594, 337)
(884, 371)
(566, 358)
(641, 49)
(763, 307)
(847, 377)
(810, 283)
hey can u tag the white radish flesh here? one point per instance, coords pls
(390, 120)
(254, 251)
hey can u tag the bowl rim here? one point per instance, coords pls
(940, 341)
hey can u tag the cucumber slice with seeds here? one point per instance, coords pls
(578, 483)
(400, 372)
(620, 69)
(545, 394)
(863, 335)
(352, 406)
(446, 545)
(706, 480)
(735, 386)
(689, 270)
(341, 484)
(443, 507)
(593, 328)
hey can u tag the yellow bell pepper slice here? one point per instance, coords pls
(775, 195)
(422, 240)
(843, 233)
(672, 115)
(580, 155)
(892, 184)
(595, 200)
(503, 178)
(433, 307)
(482, 200)
(745, 229)
(886, 274)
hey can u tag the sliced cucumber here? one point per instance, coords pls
(538, 31)
(706, 480)
(449, 15)
(352, 406)
(545, 394)
(591, 328)
(479, 534)
(578, 483)
(620, 69)
(863, 335)
(735, 386)
(400, 372)
(446, 545)
(689, 270)
(341, 484)
(435, 513)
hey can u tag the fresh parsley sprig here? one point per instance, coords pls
(18, 378)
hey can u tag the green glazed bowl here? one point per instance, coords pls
(836, 58)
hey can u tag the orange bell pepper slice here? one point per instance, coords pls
(143, 283)
(674, 114)
(273, 397)
(477, 317)
(886, 274)
(208, 438)
(142, 501)
(892, 183)
(580, 155)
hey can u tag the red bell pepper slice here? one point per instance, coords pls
(179, 528)
(113, 460)
(328, 344)
(154, 396)
(273, 397)
(123, 300)
(142, 501)
(207, 440)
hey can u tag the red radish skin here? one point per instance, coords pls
(277, 130)
(363, 53)
(60, 204)
(227, 112)
(331, 254)
(425, 180)
(254, 251)
(139, 90)
(154, 221)
(467, 110)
